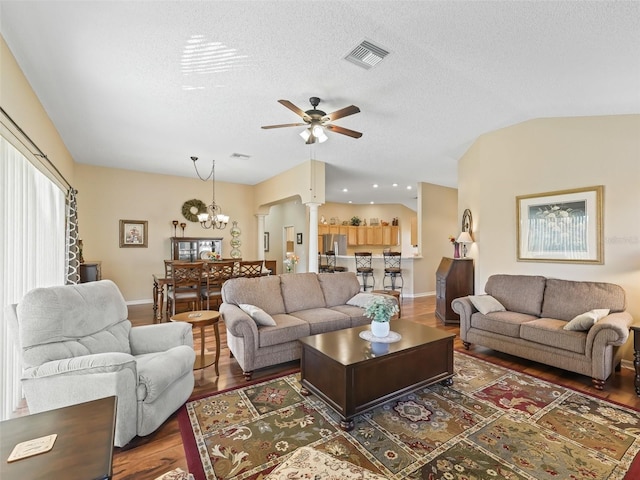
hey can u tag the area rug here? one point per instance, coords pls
(492, 423)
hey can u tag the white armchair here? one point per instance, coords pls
(77, 345)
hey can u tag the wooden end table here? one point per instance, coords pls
(83, 448)
(203, 318)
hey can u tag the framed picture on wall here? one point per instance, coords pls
(133, 233)
(562, 226)
(299, 238)
(265, 245)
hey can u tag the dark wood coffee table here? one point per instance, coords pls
(341, 369)
(83, 448)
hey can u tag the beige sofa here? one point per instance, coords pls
(536, 312)
(300, 304)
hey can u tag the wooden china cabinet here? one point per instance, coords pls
(454, 279)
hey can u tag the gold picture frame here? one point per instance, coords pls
(134, 233)
(564, 226)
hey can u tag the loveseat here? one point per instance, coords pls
(266, 316)
(77, 345)
(551, 321)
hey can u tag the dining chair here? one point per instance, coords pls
(250, 268)
(217, 273)
(186, 281)
(364, 269)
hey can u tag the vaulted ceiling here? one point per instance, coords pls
(144, 85)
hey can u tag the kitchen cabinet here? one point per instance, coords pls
(385, 236)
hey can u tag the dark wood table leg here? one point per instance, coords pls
(217, 332)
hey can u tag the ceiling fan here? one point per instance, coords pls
(317, 120)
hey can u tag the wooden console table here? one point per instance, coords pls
(83, 448)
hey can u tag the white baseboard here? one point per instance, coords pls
(627, 364)
(139, 302)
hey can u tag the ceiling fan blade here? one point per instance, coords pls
(294, 109)
(285, 125)
(343, 131)
(343, 112)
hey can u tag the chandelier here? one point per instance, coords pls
(213, 217)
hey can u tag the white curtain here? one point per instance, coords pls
(32, 251)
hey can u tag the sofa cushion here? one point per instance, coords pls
(518, 293)
(586, 320)
(338, 287)
(355, 314)
(323, 320)
(550, 332)
(259, 316)
(503, 323)
(565, 299)
(361, 299)
(486, 304)
(287, 329)
(263, 292)
(301, 291)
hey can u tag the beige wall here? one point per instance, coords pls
(107, 195)
(21, 103)
(288, 214)
(437, 219)
(556, 154)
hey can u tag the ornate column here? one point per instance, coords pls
(260, 242)
(313, 236)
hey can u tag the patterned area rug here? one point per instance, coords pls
(492, 423)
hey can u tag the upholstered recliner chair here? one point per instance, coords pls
(77, 345)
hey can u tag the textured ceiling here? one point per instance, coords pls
(122, 86)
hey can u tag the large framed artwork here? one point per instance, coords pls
(133, 233)
(563, 226)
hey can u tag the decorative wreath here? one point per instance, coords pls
(189, 206)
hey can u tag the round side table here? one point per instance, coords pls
(203, 318)
(393, 293)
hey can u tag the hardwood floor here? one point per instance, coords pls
(145, 458)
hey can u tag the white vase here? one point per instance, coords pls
(379, 329)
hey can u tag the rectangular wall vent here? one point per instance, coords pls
(367, 55)
(240, 155)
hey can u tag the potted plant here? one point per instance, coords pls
(380, 310)
(355, 221)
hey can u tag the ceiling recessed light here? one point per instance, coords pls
(350, 201)
(394, 185)
(409, 187)
(371, 203)
(345, 190)
(375, 185)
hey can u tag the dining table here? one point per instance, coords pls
(160, 281)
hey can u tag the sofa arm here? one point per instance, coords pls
(610, 330)
(240, 324)
(463, 307)
(83, 365)
(160, 337)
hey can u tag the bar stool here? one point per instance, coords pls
(323, 267)
(392, 271)
(364, 269)
(331, 262)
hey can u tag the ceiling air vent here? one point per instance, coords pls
(240, 155)
(366, 55)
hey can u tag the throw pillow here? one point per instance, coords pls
(259, 316)
(586, 320)
(486, 304)
(361, 299)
